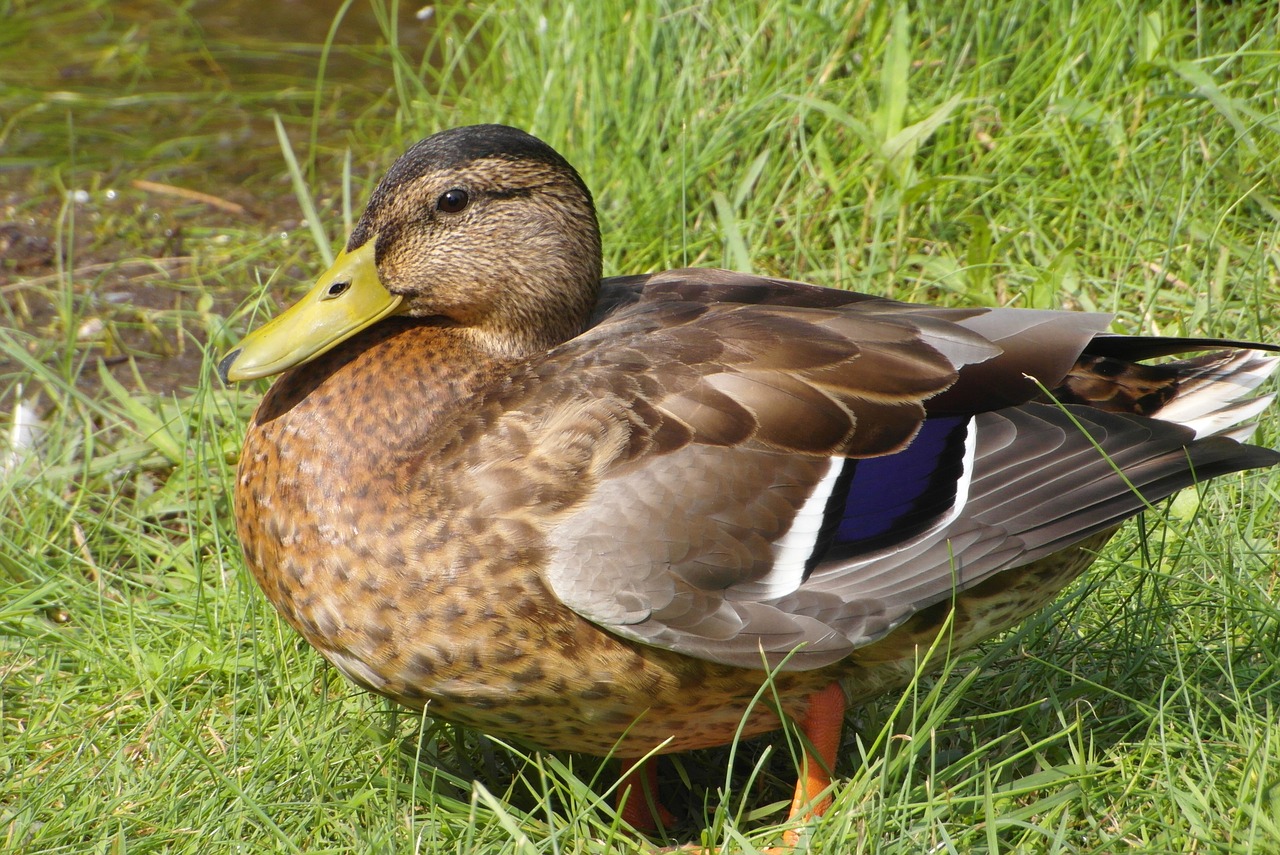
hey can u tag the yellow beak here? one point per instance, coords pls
(347, 298)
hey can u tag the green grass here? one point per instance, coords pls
(1080, 154)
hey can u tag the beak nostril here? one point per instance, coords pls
(337, 288)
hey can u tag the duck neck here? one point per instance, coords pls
(529, 314)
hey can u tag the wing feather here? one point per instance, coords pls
(675, 443)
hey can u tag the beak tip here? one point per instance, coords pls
(224, 366)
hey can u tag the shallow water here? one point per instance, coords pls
(93, 86)
(113, 116)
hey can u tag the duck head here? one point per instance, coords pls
(483, 228)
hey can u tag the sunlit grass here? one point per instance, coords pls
(1035, 154)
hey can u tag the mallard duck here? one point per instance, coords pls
(598, 515)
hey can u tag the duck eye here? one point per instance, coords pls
(337, 288)
(453, 201)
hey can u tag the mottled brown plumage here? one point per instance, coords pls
(588, 515)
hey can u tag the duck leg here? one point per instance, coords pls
(821, 725)
(637, 797)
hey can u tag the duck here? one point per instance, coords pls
(652, 513)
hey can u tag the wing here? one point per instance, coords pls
(731, 468)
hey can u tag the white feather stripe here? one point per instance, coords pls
(793, 549)
(966, 477)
